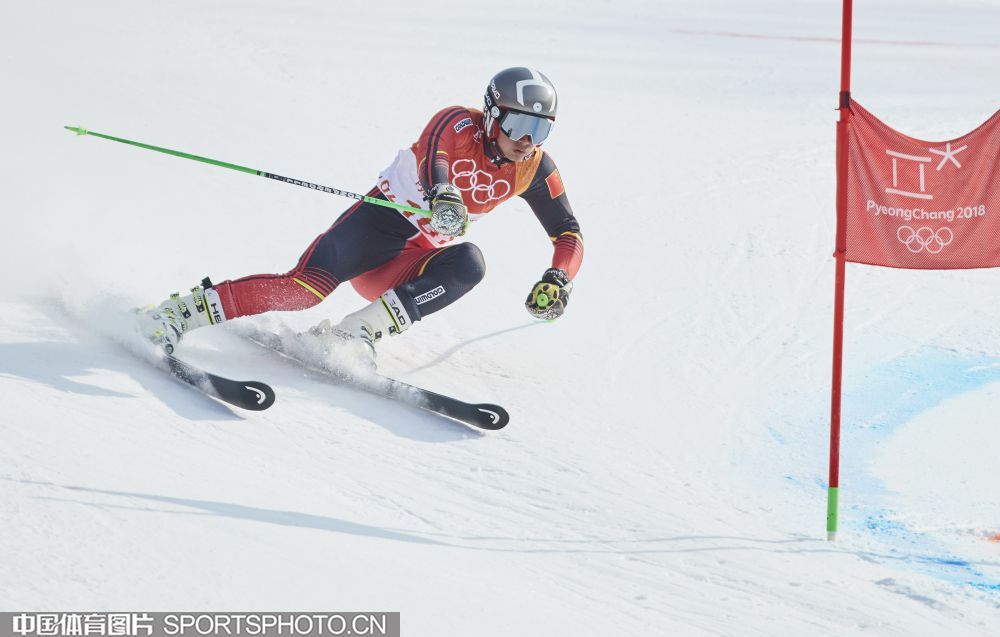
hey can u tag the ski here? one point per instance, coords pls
(245, 394)
(480, 415)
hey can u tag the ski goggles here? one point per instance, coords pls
(516, 125)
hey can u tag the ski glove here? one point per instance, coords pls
(549, 296)
(449, 216)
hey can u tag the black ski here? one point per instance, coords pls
(479, 415)
(246, 394)
(482, 415)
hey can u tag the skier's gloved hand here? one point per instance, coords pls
(449, 216)
(549, 296)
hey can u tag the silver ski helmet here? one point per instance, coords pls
(519, 101)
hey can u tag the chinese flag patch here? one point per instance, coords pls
(555, 184)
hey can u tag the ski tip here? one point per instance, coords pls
(495, 416)
(262, 395)
(245, 394)
(77, 130)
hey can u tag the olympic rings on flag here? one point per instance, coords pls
(924, 238)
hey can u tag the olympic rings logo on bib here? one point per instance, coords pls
(468, 178)
(924, 238)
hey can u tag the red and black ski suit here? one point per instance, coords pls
(378, 248)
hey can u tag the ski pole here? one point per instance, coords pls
(259, 173)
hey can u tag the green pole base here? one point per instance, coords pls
(832, 498)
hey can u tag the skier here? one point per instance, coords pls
(465, 163)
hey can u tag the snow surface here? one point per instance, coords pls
(664, 470)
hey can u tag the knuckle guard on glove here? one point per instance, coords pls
(449, 215)
(548, 297)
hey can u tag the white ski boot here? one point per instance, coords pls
(178, 315)
(358, 332)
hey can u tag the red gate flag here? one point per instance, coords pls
(922, 205)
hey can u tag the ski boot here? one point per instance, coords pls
(357, 333)
(167, 323)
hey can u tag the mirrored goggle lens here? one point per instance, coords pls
(516, 125)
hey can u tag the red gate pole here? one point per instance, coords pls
(841, 257)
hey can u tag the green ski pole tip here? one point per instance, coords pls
(542, 300)
(77, 130)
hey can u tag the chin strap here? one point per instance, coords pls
(493, 151)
